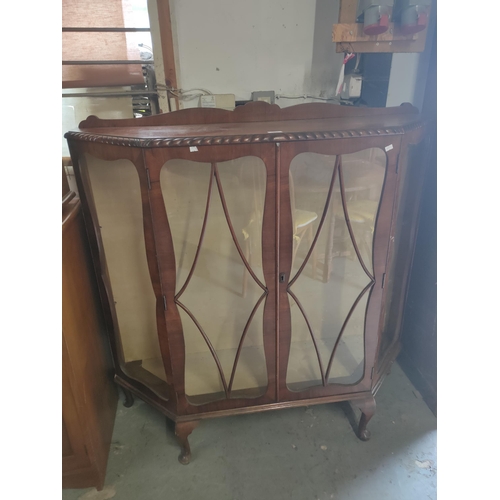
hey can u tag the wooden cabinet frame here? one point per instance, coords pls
(193, 134)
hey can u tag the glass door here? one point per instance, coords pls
(216, 212)
(334, 202)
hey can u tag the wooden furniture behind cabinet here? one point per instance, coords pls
(250, 260)
(89, 396)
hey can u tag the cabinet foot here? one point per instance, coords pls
(182, 431)
(367, 407)
(129, 398)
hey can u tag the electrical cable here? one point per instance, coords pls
(358, 57)
(185, 94)
(306, 96)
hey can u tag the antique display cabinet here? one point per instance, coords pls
(253, 259)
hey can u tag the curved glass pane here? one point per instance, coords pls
(117, 197)
(216, 294)
(330, 291)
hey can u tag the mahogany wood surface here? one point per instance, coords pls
(257, 111)
(89, 396)
(275, 136)
(182, 431)
(367, 407)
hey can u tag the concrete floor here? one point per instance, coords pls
(296, 454)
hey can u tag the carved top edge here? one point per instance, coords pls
(258, 111)
(249, 124)
(237, 139)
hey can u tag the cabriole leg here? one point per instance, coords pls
(367, 407)
(129, 398)
(182, 431)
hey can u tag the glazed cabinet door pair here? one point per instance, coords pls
(248, 274)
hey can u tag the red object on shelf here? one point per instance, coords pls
(376, 29)
(410, 29)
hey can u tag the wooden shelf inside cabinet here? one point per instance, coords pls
(349, 37)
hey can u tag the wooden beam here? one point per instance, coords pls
(347, 11)
(167, 46)
(417, 45)
(353, 32)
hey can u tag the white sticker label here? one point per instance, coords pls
(194, 148)
(388, 148)
(275, 131)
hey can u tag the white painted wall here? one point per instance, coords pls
(240, 46)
